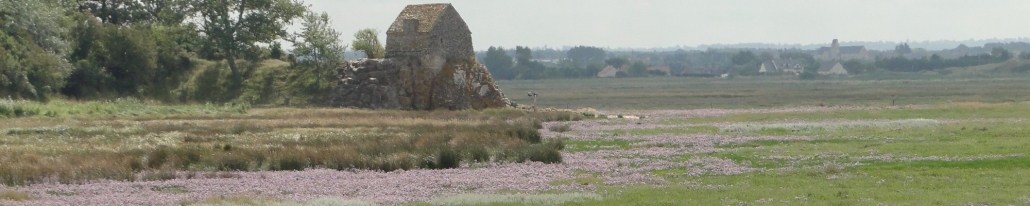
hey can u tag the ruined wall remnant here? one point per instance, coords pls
(430, 64)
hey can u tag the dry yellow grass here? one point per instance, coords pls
(14, 195)
(45, 149)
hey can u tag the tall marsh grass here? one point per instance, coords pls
(121, 107)
(98, 147)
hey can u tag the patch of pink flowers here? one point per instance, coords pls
(379, 187)
(615, 166)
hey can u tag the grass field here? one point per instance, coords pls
(946, 142)
(761, 92)
(966, 158)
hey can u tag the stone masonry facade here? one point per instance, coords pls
(430, 64)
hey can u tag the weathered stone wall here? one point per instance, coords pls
(451, 35)
(430, 64)
(408, 42)
(427, 31)
(403, 84)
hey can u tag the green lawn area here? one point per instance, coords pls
(762, 92)
(977, 157)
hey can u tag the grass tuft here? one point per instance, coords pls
(560, 128)
(15, 195)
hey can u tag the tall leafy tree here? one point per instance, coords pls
(638, 69)
(523, 54)
(167, 12)
(903, 49)
(616, 62)
(743, 58)
(232, 26)
(318, 52)
(367, 41)
(31, 49)
(585, 55)
(499, 63)
(112, 11)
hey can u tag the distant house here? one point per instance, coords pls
(782, 65)
(608, 71)
(832, 68)
(429, 30)
(698, 71)
(838, 53)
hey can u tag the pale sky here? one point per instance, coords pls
(666, 23)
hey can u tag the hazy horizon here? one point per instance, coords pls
(671, 23)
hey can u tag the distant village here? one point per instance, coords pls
(833, 59)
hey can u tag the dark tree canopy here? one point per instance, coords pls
(499, 63)
(232, 26)
(367, 41)
(616, 62)
(743, 57)
(903, 49)
(523, 54)
(584, 55)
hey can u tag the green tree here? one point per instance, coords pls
(139, 60)
(765, 56)
(116, 12)
(275, 50)
(743, 58)
(499, 63)
(318, 51)
(616, 62)
(31, 59)
(584, 55)
(232, 26)
(903, 49)
(745, 63)
(638, 69)
(166, 12)
(367, 41)
(810, 73)
(523, 54)
(1001, 53)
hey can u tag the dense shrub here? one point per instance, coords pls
(290, 162)
(526, 134)
(31, 59)
(557, 144)
(447, 158)
(546, 153)
(479, 154)
(157, 157)
(139, 60)
(560, 128)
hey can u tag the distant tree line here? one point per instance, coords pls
(935, 62)
(585, 61)
(588, 62)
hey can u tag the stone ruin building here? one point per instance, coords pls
(429, 64)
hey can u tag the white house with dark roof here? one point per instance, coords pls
(781, 65)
